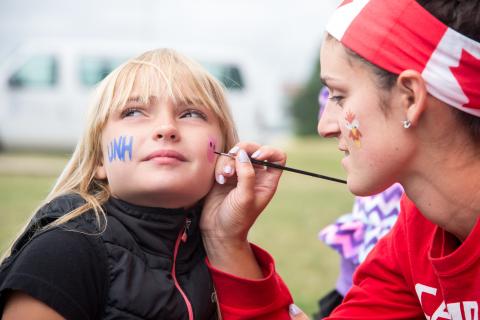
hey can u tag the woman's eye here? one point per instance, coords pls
(132, 112)
(337, 99)
(194, 114)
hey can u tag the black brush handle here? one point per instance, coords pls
(277, 166)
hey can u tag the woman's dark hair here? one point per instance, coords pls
(462, 16)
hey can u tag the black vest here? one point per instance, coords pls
(155, 258)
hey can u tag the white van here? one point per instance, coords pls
(45, 87)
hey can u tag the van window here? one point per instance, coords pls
(228, 74)
(94, 69)
(38, 71)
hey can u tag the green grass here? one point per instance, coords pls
(287, 229)
(302, 206)
(19, 196)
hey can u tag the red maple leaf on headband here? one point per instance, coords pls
(345, 2)
(467, 77)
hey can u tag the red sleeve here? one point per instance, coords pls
(262, 299)
(382, 287)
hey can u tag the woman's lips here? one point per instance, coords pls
(344, 150)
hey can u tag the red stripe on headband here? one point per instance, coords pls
(375, 34)
(345, 2)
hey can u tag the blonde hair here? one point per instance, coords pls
(182, 79)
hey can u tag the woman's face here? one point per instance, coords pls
(160, 153)
(375, 144)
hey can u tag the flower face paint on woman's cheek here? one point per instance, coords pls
(211, 148)
(118, 149)
(353, 126)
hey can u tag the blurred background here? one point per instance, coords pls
(265, 52)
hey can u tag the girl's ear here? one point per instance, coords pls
(414, 94)
(100, 172)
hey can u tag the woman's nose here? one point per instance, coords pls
(328, 124)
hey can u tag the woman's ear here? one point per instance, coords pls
(414, 94)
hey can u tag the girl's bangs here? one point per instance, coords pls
(146, 80)
(179, 82)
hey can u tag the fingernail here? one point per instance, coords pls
(234, 150)
(227, 169)
(256, 154)
(220, 179)
(243, 157)
(294, 310)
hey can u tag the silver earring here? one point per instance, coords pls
(407, 124)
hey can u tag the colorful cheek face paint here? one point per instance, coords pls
(119, 149)
(353, 126)
(211, 148)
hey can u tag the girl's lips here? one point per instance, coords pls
(166, 156)
(165, 160)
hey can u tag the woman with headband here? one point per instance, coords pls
(404, 105)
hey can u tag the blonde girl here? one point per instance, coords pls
(118, 237)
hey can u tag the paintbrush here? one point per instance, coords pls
(277, 166)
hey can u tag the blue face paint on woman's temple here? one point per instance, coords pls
(117, 149)
(322, 100)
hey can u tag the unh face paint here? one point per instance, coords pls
(211, 148)
(118, 149)
(353, 125)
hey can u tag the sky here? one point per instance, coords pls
(282, 35)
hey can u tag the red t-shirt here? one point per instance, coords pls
(417, 271)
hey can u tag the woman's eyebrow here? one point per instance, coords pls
(326, 79)
(323, 81)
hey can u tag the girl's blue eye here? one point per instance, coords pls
(131, 112)
(194, 114)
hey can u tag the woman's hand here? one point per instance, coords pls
(241, 193)
(296, 313)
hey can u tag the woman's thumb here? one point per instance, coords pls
(245, 173)
(296, 313)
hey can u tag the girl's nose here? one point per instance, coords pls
(328, 124)
(166, 131)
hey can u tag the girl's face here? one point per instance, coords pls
(160, 154)
(376, 146)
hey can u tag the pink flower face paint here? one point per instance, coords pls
(211, 148)
(353, 125)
